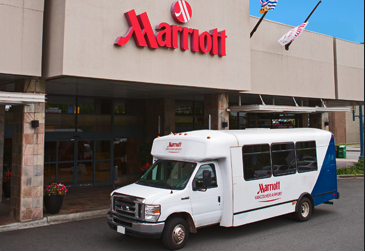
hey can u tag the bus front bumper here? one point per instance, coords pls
(135, 228)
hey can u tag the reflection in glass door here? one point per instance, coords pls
(85, 162)
(65, 157)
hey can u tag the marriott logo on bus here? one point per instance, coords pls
(175, 144)
(213, 42)
(268, 187)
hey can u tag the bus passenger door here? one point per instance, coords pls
(206, 203)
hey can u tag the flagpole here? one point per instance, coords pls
(320, 1)
(258, 24)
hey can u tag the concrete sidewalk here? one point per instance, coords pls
(80, 203)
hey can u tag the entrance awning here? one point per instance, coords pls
(18, 98)
(286, 109)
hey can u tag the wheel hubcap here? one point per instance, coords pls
(178, 234)
(305, 209)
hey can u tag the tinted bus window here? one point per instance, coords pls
(283, 159)
(306, 156)
(256, 161)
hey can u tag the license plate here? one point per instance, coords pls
(121, 229)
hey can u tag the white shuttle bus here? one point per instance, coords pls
(230, 178)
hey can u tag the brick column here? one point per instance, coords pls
(338, 126)
(216, 105)
(2, 126)
(28, 156)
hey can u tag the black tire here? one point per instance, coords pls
(304, 210)
(175, 234)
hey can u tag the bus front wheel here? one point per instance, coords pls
(304, 210)
(175, 234)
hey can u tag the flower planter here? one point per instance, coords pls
(53, 204)
(7, 189)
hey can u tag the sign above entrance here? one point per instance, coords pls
(213, 42)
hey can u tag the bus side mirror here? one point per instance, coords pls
(207, 178)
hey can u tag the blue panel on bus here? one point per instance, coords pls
(326, 186)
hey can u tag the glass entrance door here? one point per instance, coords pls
(78, 162)
(84, 162)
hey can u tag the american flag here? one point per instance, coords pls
(267, 5)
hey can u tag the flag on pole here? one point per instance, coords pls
(267, 5)
(292, 34)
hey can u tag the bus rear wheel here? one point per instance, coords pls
(175, 234)
(304, 210)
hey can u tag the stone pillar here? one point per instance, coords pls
(216, 106)
(2, 126)
(159, 113)
(28, 156)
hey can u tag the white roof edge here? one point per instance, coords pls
(19, 98)
(286, 109)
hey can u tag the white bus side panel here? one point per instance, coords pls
(256, 200)
(262, 214)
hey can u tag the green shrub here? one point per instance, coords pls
(356, 169)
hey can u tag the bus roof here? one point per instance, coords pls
(211, 144)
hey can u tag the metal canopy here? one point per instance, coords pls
(287, 109)
(18, 98)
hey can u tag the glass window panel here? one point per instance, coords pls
(50, 151)
(184, 107)
(199, 120)
(199, 108)
(60, 105)
(256, 161)
(95, 120)
(94, 129)
(103, 106)
(85, 172)
(102, 171)
(66, 173)
(283, 159)
(179, 121)
(119, 107)
(86, 106)
(49, 174)
(102, 150)
(66, 150)
(60, 123)
(128, 120)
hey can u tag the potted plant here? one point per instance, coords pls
(7, 184)
(53, 197)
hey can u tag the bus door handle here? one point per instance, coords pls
(219, 199)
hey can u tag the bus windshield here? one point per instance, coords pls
(168, 174)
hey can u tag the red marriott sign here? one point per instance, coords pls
(213, 42)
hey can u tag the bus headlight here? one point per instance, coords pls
(152, 212)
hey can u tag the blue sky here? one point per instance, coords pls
(338, 18)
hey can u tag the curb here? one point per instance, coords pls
(54, 219)
(350, 176)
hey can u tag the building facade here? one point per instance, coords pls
(99, 80)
